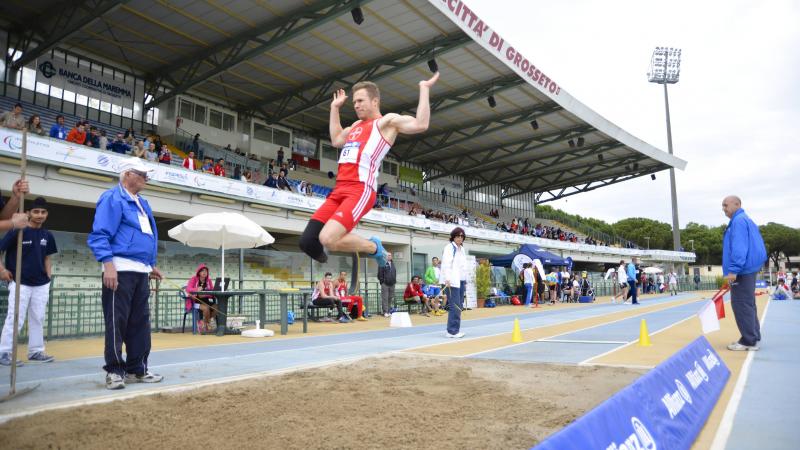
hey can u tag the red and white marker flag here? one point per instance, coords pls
(722, 295)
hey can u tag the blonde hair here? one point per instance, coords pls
(372, 89)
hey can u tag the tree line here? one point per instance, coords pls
(781, 240)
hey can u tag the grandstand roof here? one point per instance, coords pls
(282, 59)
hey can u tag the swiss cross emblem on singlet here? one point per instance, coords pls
(354, 134)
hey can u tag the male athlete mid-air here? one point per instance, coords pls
(363, 144)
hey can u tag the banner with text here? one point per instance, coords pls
(72, 77)
(665, 408)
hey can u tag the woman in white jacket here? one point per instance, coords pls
(454, 276)
(622, 281)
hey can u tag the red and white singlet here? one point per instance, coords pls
(363, 153)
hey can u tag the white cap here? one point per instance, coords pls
(134, 163)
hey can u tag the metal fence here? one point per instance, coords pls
(78, 312)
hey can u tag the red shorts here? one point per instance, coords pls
(347, 204)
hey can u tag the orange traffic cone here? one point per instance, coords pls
(644, 336)
(516, 335)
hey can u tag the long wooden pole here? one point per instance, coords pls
(18, 269)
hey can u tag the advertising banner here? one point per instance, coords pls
(56, 72)
(665, 408)
(410, 175)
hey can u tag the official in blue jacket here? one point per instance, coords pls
(125, 240)
(630, 271)
(743, 256)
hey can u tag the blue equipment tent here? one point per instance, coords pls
(534, 252)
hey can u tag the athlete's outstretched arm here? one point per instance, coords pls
(338, 135)
(418, 124)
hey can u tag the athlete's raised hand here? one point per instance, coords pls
(430, 81)
(339, 98)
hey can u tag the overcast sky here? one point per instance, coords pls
(735, 112)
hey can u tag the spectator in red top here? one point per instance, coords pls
(78, 134)
(325, 295)
(219, 168)
(414, 294)
(351, 302)
(165, 157)
(201, 281)
(188, 162)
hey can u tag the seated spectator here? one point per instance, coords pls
(165, 157)
(567, 292)
(201, 281)
(92, 138)
(305, 188)
(247, 176)
(34, 125)
(119, 145)
(352, 303)
(283, 182)
(102, 140)
(219, 168)
(782, 291)
(325, 295)
(228, 148)
(272, 180)
(585, 285)
(13, 119)
(414, 294)
(150, 153)
(138, 150)
(188, 162)
(130, 135)
(78, 134)
(58, 130)
(208, 166)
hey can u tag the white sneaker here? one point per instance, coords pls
(737, 347)
(148, 377)
(114, 381)
(454, 336)
(386, 315)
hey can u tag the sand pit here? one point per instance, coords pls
(386, 402)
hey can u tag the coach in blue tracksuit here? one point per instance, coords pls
(125, 240)
(743, 256)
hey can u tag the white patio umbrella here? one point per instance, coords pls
(221, 230)
(653, 270)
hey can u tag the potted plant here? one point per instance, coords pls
(483, 281)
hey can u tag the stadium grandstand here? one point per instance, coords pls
(247, 88)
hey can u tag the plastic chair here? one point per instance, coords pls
(194, 310)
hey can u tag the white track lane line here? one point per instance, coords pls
(586, 362)
(575, 331)
(726, 424)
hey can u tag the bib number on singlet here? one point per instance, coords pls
(349, 154)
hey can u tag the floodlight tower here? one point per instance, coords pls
(665, 68)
